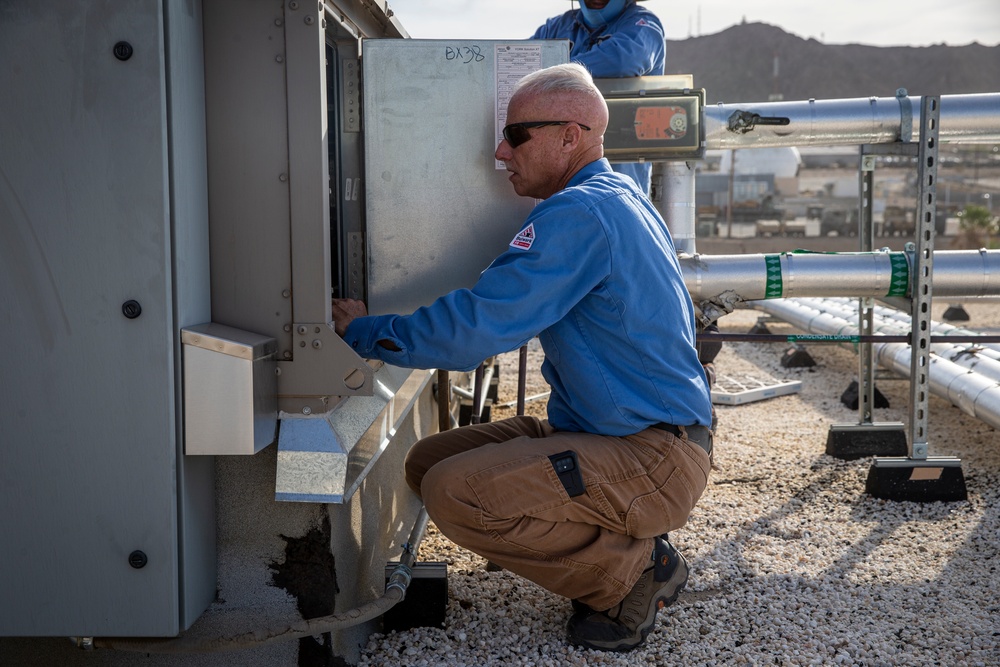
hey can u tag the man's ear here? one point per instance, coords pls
(571, 136)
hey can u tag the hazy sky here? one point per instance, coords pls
(872, 22)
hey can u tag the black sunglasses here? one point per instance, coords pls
(517, 133)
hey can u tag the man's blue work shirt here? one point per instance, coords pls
(631, 45)
(593, 273)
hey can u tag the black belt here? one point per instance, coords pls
(699, 435)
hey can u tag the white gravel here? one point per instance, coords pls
(792, 563)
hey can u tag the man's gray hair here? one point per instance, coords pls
(566, 78)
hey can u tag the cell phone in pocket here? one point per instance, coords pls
(568, 470)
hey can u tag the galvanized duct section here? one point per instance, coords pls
(717, 283)
(972, 392)
(873, 120)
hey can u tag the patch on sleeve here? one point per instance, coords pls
(641, 22)
(524, 238)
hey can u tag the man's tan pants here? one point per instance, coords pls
(492, 489)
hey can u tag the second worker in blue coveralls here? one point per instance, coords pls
(613, 39)
(578, 503)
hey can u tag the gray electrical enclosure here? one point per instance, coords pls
(107, 528)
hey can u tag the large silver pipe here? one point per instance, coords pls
(718, 283)
(970, 391)
(872, 120)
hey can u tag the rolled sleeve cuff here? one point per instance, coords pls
(363, 335)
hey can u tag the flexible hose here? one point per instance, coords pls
(275, 632)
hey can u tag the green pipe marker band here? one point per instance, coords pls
(773, 288)
(899, 281)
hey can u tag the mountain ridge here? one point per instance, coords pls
(738, 65)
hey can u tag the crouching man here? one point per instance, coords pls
(579, 503)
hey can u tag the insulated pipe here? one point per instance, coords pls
(718, 283)
(892, 317)
(972, 392)
(970, 356)
(857, 121)
(992, 350)
(285, 629)
(674, 197)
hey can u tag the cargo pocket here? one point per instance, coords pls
(523, 487)
(663, 510)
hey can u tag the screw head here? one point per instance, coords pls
(123, 51)
(131, 309)
(137, 559)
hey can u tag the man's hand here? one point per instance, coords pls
(344, 311)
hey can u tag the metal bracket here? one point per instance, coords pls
(905, 116)
(741, 122)
(351, 85)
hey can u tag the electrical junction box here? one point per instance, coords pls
(230, 390)
(650, 119)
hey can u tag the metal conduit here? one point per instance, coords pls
(718, 283)
(872, 120)
(970, 391)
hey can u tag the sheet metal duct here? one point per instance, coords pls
(972, 392)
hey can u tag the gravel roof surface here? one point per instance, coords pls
(792, 563)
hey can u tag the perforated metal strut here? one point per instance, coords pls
(930, 113)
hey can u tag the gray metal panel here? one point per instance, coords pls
(269, 192)
(87, 403)
(192, 289)
(438, 211)
(248, 167)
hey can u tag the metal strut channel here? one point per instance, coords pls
(927, 162)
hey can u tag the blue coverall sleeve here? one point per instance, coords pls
(523, 292)
(635, 49)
